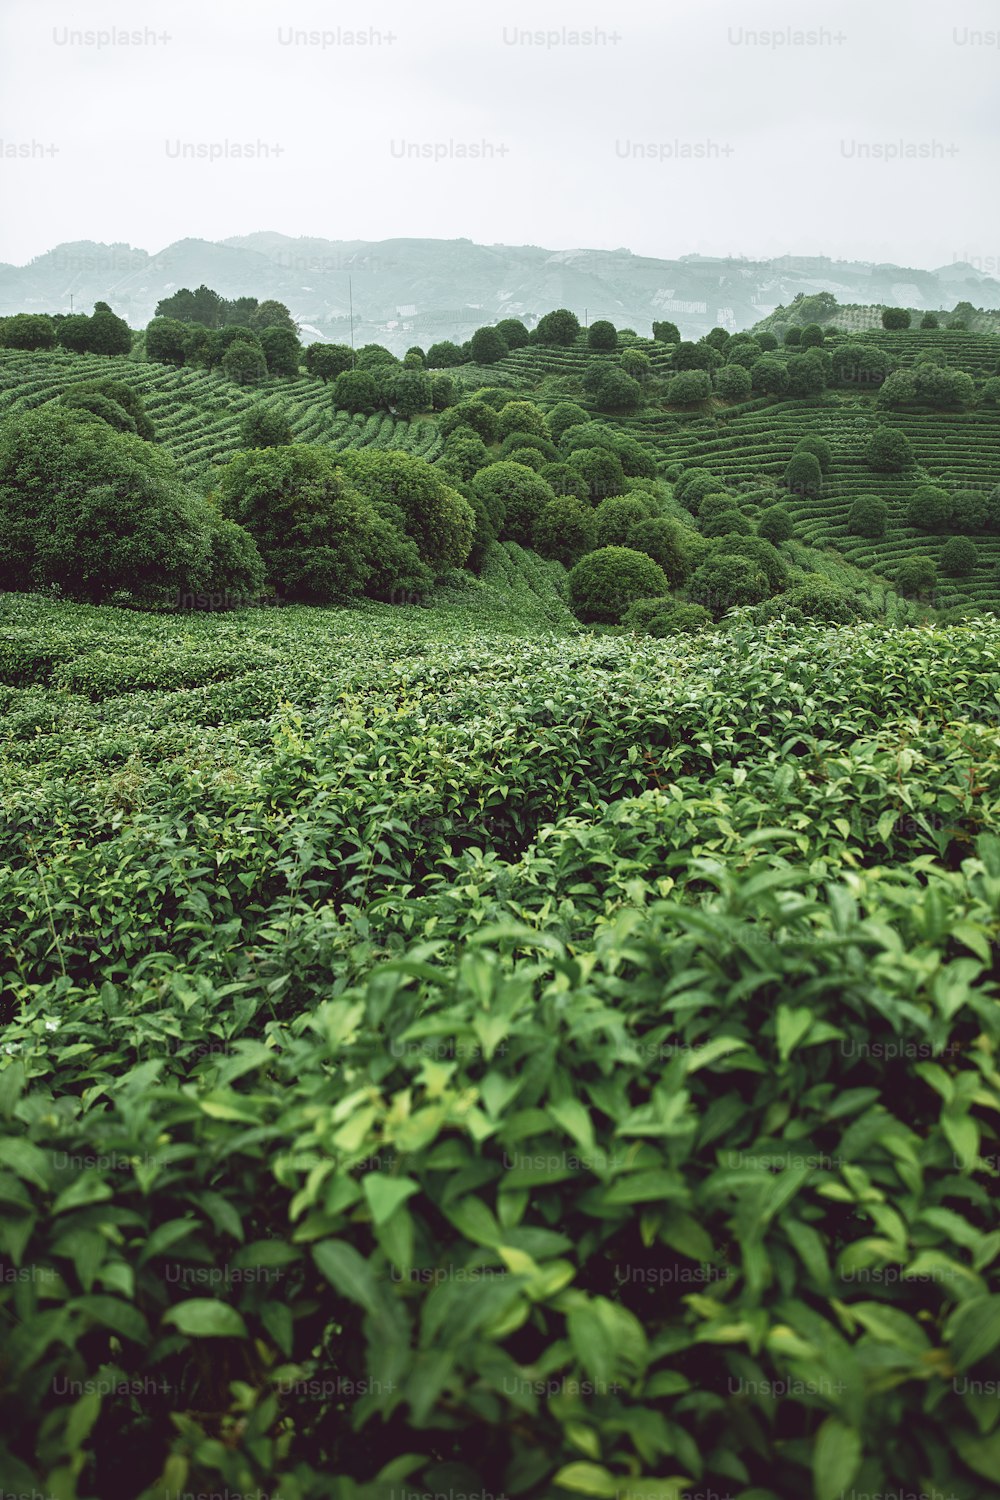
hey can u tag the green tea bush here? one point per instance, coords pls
(775, 524)
(615, 517)
(868, 516)
(959, 557)
(603, 584)
(564, 529)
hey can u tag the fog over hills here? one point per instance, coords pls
(408, 291)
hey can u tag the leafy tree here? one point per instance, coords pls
(202, 306)
(767, 341)
(107, 334)
(410, 392)
(475, 414)
(444, 356)
(415, 356)
(806, 376)
(618, 392)
(724, 582)
(518, 441)
(760, 551)
(793, 336)
(273, 314)
(564, 529)
(317, 535)
(464, 456)
(930, 320)
(898, 389)
(868, 516)
(566, 414)
(516, 495)
(971, 510)
(513, 332)
(959, 557)
(811, 336)
(244, 364)
(942, 388)
(812, 442)
(858, 363)
(487, 346)
(888, 451)
(817, 599)
(221, 340)
(417, 499)
(327, 361)
(689, 356)
(664, 617)
(718, 338)
(732, 382)
(636, 364)
(929, 508)
(521, 416)
(93, 510)
(601, 469)
(603, 584)
(88, 399)
(282, 350)
(693, 485)
(666, 333)
(743, 350)
(559, 328)
(769, 376)
(566, 481)
(371, 356)
(615, 517)
(27, 331)
(265, 426)
(355, 391)
(803, 475)
(669, 543)
(443, 392)
(73, 333)
(895, 317)
(602, 335)
(167, 341)
(690, 387)
(776, 524)
(916, 577)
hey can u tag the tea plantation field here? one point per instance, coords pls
(448, 1051)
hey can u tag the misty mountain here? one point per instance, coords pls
(416, 291)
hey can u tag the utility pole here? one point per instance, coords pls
(350, 297)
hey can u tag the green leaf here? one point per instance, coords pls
(980, 1454)
(836, 1459)
(791, 1026)
(88, 1188)
(571, 1116)
(346, 1271)
(206, 1318)
(385, 1194)
(588, 1479)
(974, 1330)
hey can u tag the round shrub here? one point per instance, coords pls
(602, 471)
(803, 475)
(759, 551)
(817, 599)
(744, 351)
(689, 387)
(733, 382)
(668, 543)
(818, 446)
(416, 498)
(265, 426)
(98, 405)
(959, 557)
(929, 320)
(566, 414)
(929, 508)
(517, 442)
(602, 335)
(487, 345)
(481, 417)
(767, 341)
(916, 577)
(793, 336)
(564, 529)
(769, 375)
(603, 584)
(724, 582)
(895, 317)
(614, 518)
(776, 524)
(355, 391)
(720, 516)
(515, 494)
(666, 616)
(464, 456)
(970, 510)
(244, 363)
(521, 416)
(868, 516)
(564, 479)
(694, 484)
(888, 450)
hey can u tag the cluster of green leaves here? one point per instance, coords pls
(444, 1057)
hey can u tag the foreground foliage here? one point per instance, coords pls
(469, 1056)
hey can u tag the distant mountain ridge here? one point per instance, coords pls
(416, 291)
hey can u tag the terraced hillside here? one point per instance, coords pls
(197, 415)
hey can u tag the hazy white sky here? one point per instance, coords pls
(864, 131)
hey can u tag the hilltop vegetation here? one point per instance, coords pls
(528, 1026)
